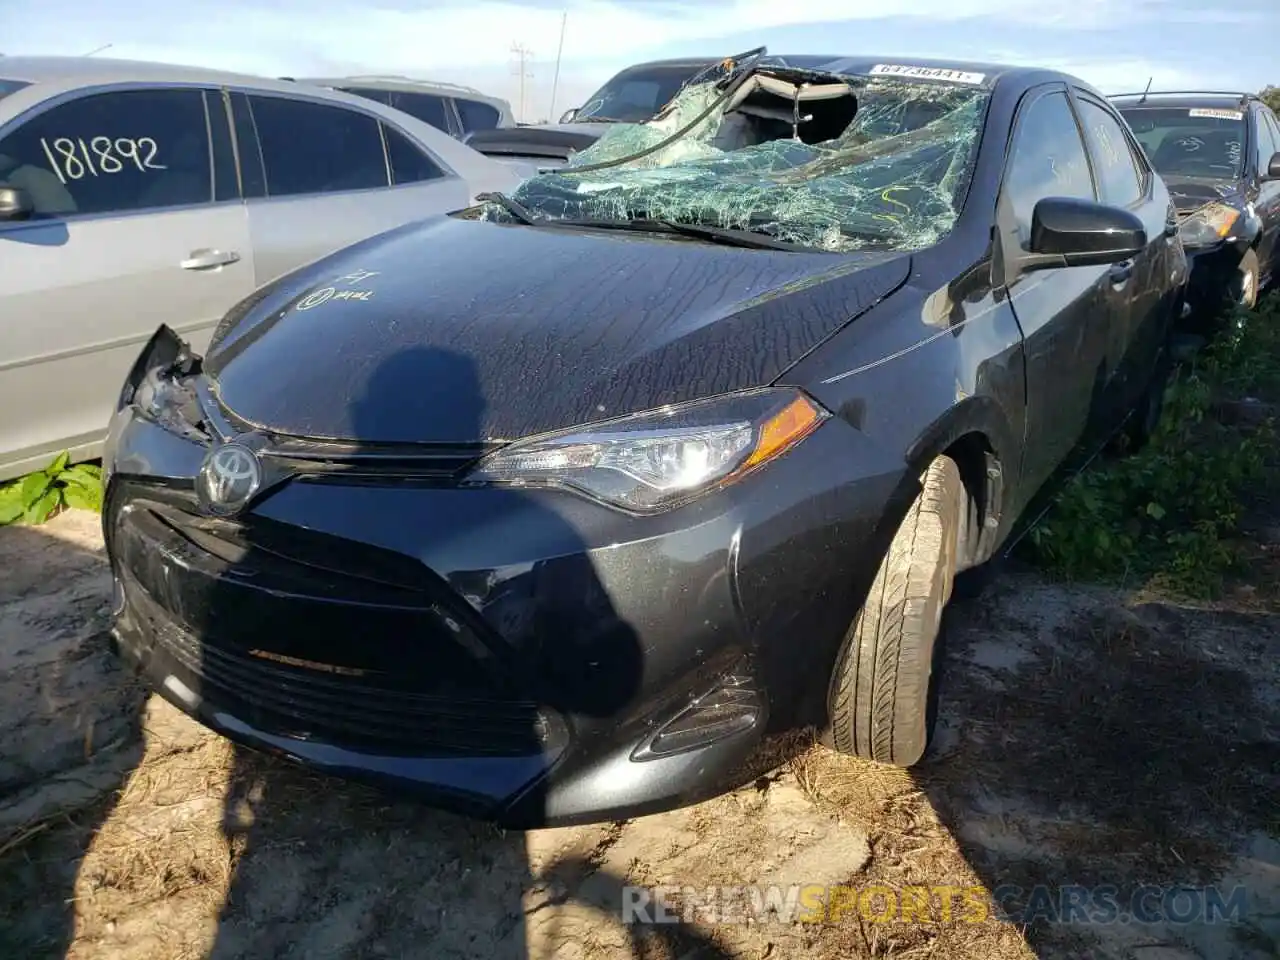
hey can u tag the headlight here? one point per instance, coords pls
(168, 403)
(156, 386)
(656, 460)
(1208, 225)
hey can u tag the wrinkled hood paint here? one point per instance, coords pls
(1189, 193)
(456, 331)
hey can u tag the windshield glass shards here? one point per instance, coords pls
(1190, 141)
(825, 162)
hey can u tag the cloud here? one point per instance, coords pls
(1125, 75)
(470, 41)
(458, 33)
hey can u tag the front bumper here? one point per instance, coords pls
(507, 654)
(1213, 274)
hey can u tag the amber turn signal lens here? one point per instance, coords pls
(784, 429)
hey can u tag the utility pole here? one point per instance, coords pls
(555, 81)
(523, 56)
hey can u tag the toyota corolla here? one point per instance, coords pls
(552, 509)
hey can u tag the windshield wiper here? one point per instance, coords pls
(513, 207)
(751, 239)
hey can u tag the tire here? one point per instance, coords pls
(879, 692)
(1142, 423)
(1245, 288)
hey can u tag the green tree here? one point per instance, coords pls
(1271, 97)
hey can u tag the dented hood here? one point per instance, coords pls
(457, 331)
(1191, 193)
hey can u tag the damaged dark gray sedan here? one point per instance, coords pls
(550, 510)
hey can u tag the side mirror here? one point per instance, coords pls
(1077, 233)
(1273, 167)
(568, 115)
(15, 204)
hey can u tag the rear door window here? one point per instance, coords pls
(370, 93)
(408, 162)
(476, 115)
(424, 106)
(1120, 180)
(118, 152)
(315, 148)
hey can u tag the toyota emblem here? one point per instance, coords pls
(229, 477)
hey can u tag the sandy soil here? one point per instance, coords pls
(1087, 736)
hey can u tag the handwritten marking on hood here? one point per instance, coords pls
(356, 276)
(325, 294)
(315, 298)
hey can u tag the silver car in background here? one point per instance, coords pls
(458, 111)
(135, 194)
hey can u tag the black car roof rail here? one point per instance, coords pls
(1146, 95)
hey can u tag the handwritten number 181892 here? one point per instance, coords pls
(78, 158)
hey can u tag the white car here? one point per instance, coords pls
(134, 194)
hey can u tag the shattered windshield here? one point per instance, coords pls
(1190, 141)
(824, 162)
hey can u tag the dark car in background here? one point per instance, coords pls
(635, 94)
(631, 96)
(551, 509)
(1219, 153)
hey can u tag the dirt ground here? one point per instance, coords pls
(1087, 736)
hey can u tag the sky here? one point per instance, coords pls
(1117, 45)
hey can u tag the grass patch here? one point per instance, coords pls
(1171, 511)
(44, 494)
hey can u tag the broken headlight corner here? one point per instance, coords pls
(158, 385)
(1211, 224)
(654, 461)
(733, 706)
(169, 403)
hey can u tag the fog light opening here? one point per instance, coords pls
(732, 707)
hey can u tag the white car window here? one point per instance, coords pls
(310, 148)
(112, 153)
(408, 163)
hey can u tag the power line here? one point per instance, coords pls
(555, 82)
(523, 55)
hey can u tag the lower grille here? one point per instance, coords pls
(315, 654)
(345, 711)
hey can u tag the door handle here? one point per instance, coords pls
(206, 259)
(1121, 272)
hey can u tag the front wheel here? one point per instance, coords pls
(879, 695)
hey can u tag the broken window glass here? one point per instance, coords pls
(829, 162)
